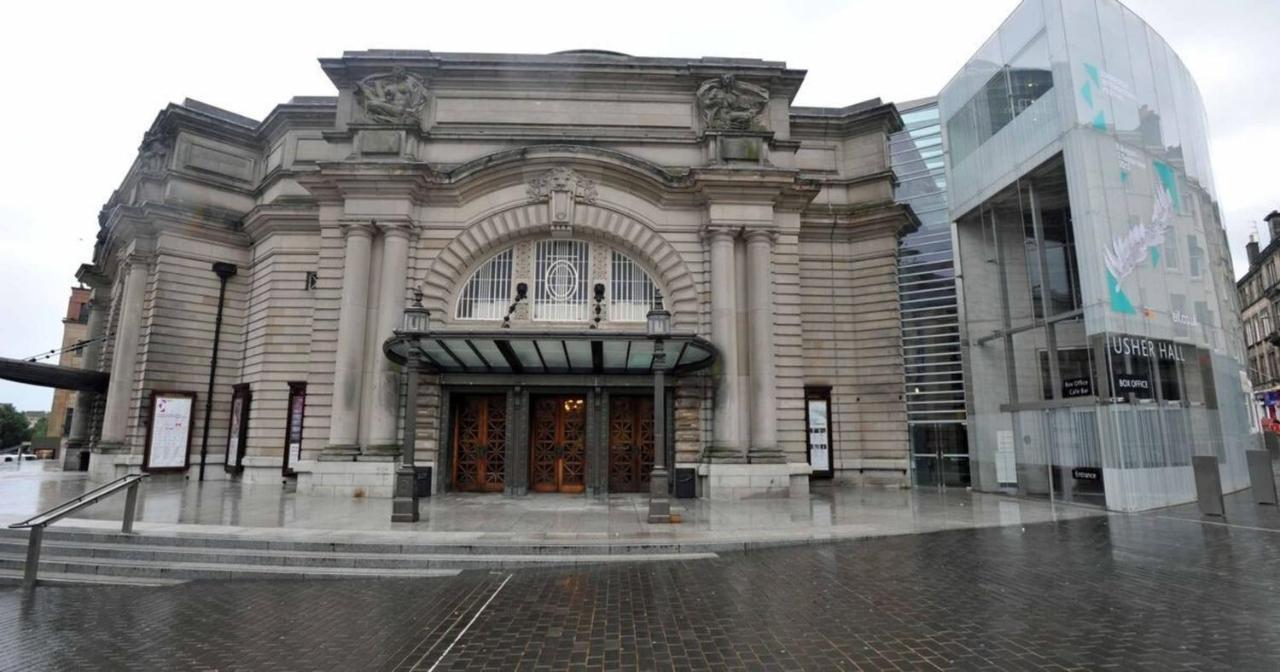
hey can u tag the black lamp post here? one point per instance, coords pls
(659, 327)
(415, 324)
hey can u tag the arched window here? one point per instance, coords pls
(560, 280)
(488, 293)
(632, 293)
(568, 281)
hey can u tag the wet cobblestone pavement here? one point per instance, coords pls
(1119, 592)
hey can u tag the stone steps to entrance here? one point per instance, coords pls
(101, 557)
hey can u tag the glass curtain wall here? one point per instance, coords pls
(927, 292)
(1105, 346)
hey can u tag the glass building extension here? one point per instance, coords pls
(1103, 341)
(930, 315)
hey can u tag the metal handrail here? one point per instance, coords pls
(38, 522)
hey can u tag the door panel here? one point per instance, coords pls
(480, 443)
(630, 443)
(558, 446)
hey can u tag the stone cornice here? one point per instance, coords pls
(829, 123)
(93, 276)
(855, 222)
(338, 180)
(266, 220)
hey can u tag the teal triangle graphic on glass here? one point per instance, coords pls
(1124, 177)
(1092, 71)
(1119, 302)
(1100, 122)
(1086, 92)
(1155, 257)
(1170, 182)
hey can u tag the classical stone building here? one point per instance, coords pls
(542, 205)
(1257, 290)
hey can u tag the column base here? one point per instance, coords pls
(726, 455)
(339, 453)
(766, 455)
(110, 447)
(382, 450)
(347, 478)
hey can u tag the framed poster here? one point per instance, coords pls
(238, 428)
(817, 422)
(293, 427)
(169, 431)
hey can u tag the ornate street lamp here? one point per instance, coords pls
(658, 327)
(415, 324)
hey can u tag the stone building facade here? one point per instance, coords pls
(1258, 289)
(74, 329)
(533, 201)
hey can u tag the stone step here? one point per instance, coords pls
(331, 559)
(12, 576)
(467, 546)
(151, 569)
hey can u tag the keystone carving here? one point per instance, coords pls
(729, 105)
(561, 179)
(397, 97)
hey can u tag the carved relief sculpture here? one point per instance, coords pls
(730, 105)
(562, 179)
(153, 154)
(397, 97)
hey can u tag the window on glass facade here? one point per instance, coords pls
(1009, 93)
(633, 293)
(1195, 256)
(488, 293)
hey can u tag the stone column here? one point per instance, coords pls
(78, 434)
(124, 357)
(726, 435)
(764, 404)
(344, 417)
(391, 305)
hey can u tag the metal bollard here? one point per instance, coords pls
(1261, 477)
(1208, 485)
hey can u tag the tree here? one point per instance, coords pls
(40, 429)
(13, 426)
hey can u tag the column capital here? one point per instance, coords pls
(402, 228)
(769, 236)
(357, 227)
(713, 232)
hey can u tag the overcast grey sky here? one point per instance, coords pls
(84, 83)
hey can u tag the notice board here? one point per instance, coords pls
(169, 431)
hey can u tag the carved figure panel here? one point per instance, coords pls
(730, 105)
(397, 97)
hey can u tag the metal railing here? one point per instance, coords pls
(38, 522)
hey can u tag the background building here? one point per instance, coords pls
(74, 331)
(932, 362)
(1104, 346)
(1257, 290)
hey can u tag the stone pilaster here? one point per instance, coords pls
(124, 356)
(344, 423)
(386, 376)
(727, 443)
(78, 433)
(764, 403)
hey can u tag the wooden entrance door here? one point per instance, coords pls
(558, 445)
(630, 443)
(479, 443)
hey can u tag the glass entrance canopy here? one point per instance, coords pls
(517, 352)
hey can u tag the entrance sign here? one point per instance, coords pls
(169, 431)
(293, 433)
(818, 429)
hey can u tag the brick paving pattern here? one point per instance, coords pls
(1124, 593)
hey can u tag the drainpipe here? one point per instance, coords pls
(224, 271)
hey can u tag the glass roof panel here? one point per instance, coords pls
(527, 355)
(579, 354)
(491, 354)
(463, 352)
(615, 355)
(641, 355)
(553, 353)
